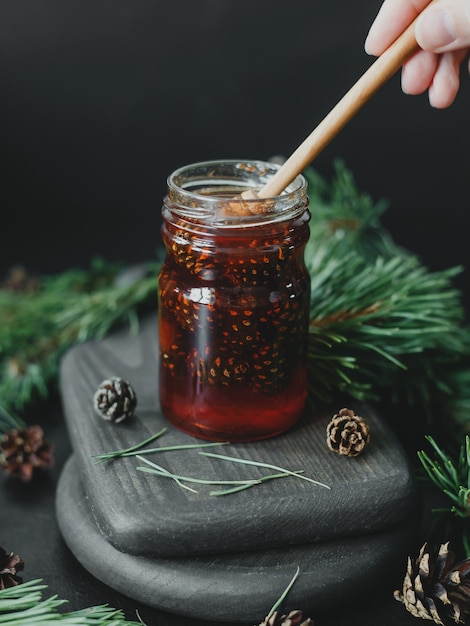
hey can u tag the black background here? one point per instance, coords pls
(101, 99)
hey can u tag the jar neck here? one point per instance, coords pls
(209, 194)
(293, 231)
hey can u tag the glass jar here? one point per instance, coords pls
(234, 301)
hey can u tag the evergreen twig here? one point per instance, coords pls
(450, 473)
(382, 326)
(9, 420)
(450, 476)
(36, 328)
(23, 605)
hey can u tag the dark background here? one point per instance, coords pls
(102, 99)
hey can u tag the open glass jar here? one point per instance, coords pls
(234, 300)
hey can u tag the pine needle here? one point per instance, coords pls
(238, 485)
(137, 449)
(161, 471)
(267, 465)
(284, 594)
(382, 326)
(23, 605)
(450, 478)
(36, 328)
(118, 453)
(9, 420)
(249, 484)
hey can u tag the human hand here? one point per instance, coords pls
(443, 34)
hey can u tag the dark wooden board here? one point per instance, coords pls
(146, 515)
(234, 587)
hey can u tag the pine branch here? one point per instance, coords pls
(95, 314)
(344, 216)
(23, 605)
(382, 326)
(450, 476)
(9, 421)
(372, 324)
(36, 328)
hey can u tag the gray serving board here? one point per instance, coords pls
(242, 586)
(224, 558)
(143, 514)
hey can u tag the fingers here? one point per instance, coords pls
(443, 34)
(418, 73)
(446, 80)
(442, 27)
(437, 72)
(445, 26)
(392, 19)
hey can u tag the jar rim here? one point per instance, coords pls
(192, 192)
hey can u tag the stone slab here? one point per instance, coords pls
(141, 514)
(233, 587)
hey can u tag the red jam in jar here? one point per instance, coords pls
(234, 301)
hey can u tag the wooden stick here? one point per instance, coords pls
(368, 84)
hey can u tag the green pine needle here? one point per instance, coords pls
(452, 478)
(158, 469)
(284, 594)
(249, 484)
(382, 327)
(153, 468)
(37, 327)
(9, 420)
(239, 485)
(267, 465)
(23, 605)
(133, 449)
(137, 449)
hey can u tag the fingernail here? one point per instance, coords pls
(435, 29)
(367, 45)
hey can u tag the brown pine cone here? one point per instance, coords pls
(347, 433)
(294, 618)
(23, 451)
(10, 564)
(115, 400)
(434, 589)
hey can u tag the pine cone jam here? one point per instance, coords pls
(234, 300)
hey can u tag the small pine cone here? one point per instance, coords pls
(23, 451)
(347, 433)
(294, 618)
(10, 565)
(434, 589)
(115, 400)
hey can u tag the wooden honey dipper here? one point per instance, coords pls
(368, 84)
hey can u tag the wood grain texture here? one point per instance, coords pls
(141, 514)
(238, 587)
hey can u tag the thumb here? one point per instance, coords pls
(445, 26)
